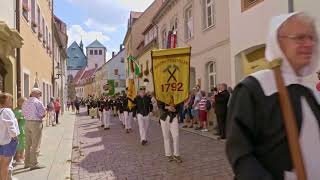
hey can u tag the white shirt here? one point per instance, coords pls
(8, 126)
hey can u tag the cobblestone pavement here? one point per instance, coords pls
(116, 155)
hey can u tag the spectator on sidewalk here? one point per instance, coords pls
(9, 131)
(22, 138)
(221, 107)
(50, 113)
(169, 125)
(68, 104)
(204, 107)
(195, 106)
(57, 108)
(77, 105)
(33, 111)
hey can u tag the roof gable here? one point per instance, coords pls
(96, 44)
(76, 58)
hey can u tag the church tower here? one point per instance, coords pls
(96, 54)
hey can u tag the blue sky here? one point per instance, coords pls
(105, 20)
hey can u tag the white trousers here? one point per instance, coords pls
(106, 118)
(172, 128)
(50, 118)
(101, 117)
(121, 117)
(127, 119)
(143, 122)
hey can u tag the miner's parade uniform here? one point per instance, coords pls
(107, 108)
(169, 125)
(120, 109)
(100, 108)
(143, 108)
(128, 114)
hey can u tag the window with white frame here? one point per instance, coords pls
(188, 23)
(212, 75)
(208, 9)
(164, 38)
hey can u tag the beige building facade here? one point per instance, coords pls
(60, 41)
(37, 54)
(203, 25)
(137, 24)
(248, 42)
(10, 39)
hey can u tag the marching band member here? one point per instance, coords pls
(107, 113)
(128, 113)
(169, 125)
(144, 108)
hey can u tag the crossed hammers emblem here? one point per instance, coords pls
(172, 73)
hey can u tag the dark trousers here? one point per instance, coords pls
(57, 117)
(221, 118)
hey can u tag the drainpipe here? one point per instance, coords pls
(18, 58)
(291, 6)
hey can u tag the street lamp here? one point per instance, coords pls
(58, 68)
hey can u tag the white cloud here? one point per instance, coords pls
(76, 32)
(135, 5)
(98, 26)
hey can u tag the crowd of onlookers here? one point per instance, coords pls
(194, 112)
(21, 130)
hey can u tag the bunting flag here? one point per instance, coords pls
(171, 72)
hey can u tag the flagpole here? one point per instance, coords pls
(289, 121)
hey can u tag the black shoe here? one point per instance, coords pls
(37, 167)
(144, 142)
(127, 131)
(198, 128)
(107, 128)
(102, 126)
(170, 158)
(177, 159)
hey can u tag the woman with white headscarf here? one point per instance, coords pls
(257, 144)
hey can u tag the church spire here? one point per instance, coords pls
(81, 45)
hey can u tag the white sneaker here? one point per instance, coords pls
(204, 130)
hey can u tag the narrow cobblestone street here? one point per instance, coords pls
(114, 154)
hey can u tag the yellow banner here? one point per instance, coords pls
(131, 93)
(171, 74)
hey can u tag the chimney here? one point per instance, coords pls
(121, 47)
(113, 53)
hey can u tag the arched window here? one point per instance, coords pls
(212, 75)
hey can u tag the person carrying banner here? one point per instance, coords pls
(169, 125)
(144, 108)
(259, 142)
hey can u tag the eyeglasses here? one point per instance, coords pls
(301, 38)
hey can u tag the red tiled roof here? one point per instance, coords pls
(78, 75)
(89, 73)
